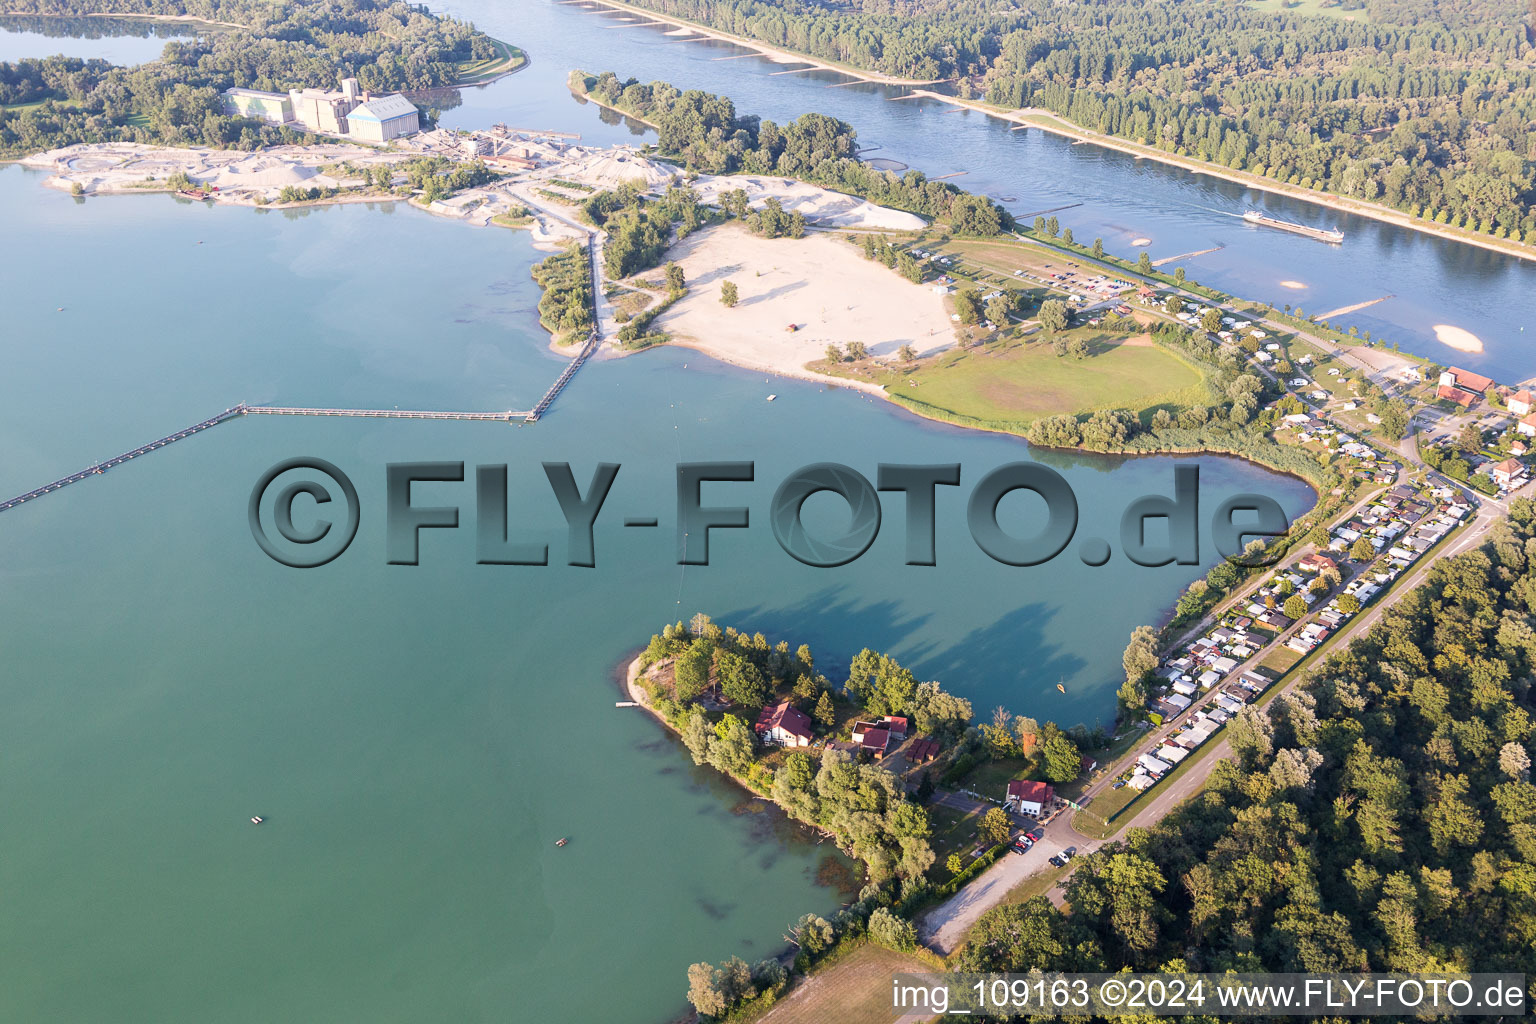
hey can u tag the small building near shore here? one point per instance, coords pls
(784, 724)
(1456, 377)
(1029, 797)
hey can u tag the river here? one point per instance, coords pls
(418, 737)
(1108, 194)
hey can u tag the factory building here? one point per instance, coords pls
(330, 111)
(383, 118)
(325, 110)
(273, 107)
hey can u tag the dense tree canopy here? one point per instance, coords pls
(707, 133)
(1379, 817)
(1426, 105)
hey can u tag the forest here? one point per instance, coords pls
(56, 101)
(1426, 106)
(706, 133)
(1380, 816)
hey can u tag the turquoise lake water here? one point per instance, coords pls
(418, 737)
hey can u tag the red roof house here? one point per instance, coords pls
(1520, 402)
(1507, 472)
(1030, 797)
(1460, 396)
(875, 741)
(1316, 563)
(1466, 379)
(786, 724)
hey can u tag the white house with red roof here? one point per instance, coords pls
(1456, 377)
(1029, 796)
(874, 737)
(786, 725)
(1520, 403)
(1509, 473)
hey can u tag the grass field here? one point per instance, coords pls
(954, 831)
(1282, 659)
(1000, 260)
(508, 58)
(1019, 382)
(855, 990)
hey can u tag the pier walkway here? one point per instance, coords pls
(385, 414)
(594, 280)
(242, 409)
(117, 460)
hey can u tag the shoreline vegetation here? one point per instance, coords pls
(800, 755)
(52, 102)
(1491, 197)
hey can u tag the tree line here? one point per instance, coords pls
(707, 135)
(1429, 107)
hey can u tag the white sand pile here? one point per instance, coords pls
(612, 167)
(1141, 242)
(1458, 338)
(259, 172)
(1294, 286)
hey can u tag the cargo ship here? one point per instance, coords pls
(1333, 237)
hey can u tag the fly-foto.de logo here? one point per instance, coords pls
(305, 511)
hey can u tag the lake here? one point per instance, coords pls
(118, 40)
(418, 737)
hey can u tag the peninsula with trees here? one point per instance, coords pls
(857, 762)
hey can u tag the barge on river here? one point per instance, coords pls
(1332, 237)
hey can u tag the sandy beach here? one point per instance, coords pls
(819, 283)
